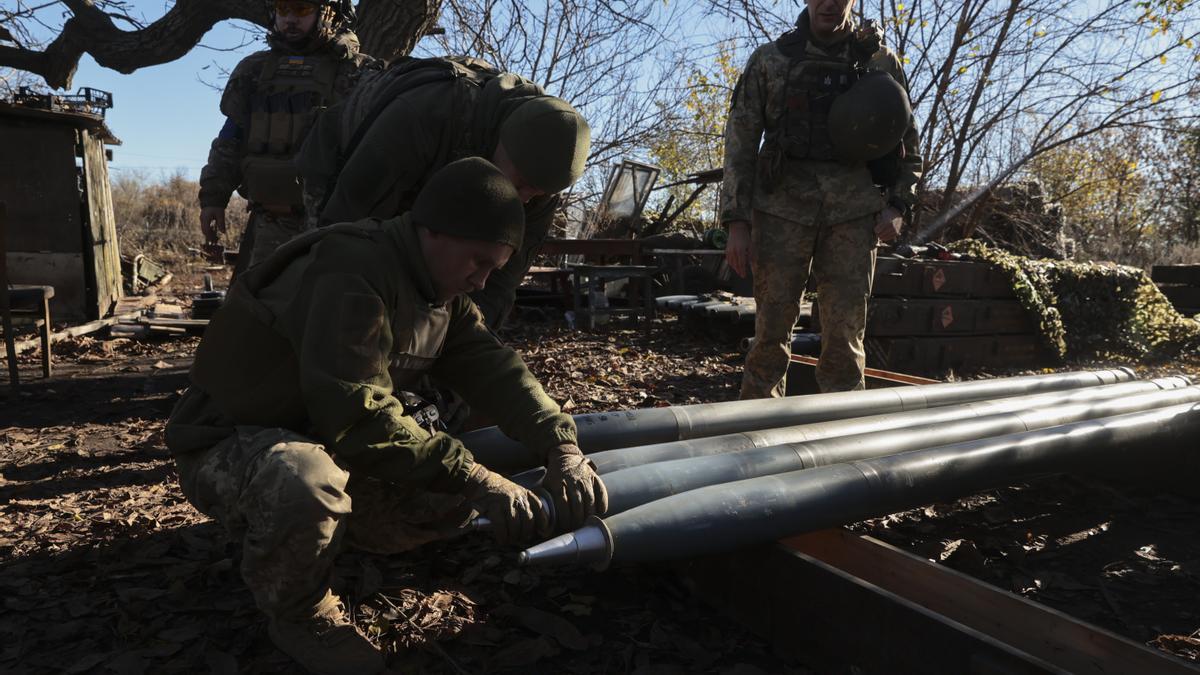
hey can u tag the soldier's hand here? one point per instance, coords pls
(737, 250)
(212, 223)
(516, 512)
(888, 223)
(574, 487)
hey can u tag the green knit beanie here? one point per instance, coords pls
(471, 198)
(548, 141)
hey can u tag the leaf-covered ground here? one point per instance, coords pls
(105, 568)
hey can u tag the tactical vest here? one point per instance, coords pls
(291, 92)
(813, 82)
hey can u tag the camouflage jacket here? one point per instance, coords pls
(419, 132)
(802, 189)
(223, 172)
(321, 336)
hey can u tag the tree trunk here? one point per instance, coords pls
(388, 28)
(391, 28)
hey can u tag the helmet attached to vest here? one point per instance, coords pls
(869, 119)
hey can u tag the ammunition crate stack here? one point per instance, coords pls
(1181, 285)
(930, 317)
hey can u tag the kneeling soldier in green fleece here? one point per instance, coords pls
(294, 412)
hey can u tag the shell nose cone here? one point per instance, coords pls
(585, 546)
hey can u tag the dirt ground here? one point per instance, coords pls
(105, 568)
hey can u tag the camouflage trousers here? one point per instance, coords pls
(293, 508)
(841, 256)
(265, 232)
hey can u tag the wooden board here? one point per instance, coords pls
(1033, 629)
(939, 278)
(1176, 274)
(103, 254)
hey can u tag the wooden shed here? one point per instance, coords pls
(61, 229)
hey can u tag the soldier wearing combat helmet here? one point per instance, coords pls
(820, 163)
(294, 433)
(269, 103)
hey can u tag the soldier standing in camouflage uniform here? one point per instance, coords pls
(269, 104)
(798, 203)
(369, 155)
(292, 433)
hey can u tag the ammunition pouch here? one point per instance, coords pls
(271, 180)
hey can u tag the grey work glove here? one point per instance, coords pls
(574, 487)
(516, 513)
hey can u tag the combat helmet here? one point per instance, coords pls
(869, 119)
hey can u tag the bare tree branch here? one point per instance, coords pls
(390, 28)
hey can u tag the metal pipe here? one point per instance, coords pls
(634, 486)
(759, 510)
(608, 461)
(605, 431)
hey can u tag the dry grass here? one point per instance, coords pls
(161, 218)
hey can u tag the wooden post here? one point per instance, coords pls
(14, 376)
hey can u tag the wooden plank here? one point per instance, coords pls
(76, 331)
(1040, 631)
(1176, 274)
(831, 622)
(103, 254)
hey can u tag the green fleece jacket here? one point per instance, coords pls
(321, 336)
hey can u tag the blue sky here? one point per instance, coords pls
(166, 115)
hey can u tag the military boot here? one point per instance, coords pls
(325, 642)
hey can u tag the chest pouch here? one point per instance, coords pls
(812, 87)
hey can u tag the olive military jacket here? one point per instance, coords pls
(419, 132)
(802, 189)
(320, 337)
(224, 171)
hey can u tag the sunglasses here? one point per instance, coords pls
(294, 8)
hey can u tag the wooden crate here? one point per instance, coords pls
(939, 278)
(1176, 274)
(937, 355)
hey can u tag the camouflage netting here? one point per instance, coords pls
(1093, 310)
(1015, 217)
